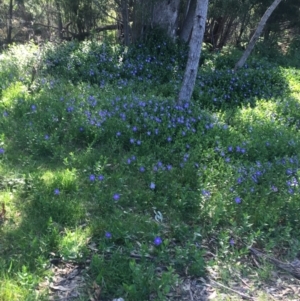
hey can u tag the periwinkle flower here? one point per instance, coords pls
(152, 185)
(205, 193)
(100, 177)
(46, 137)
(142, 169)
(108, 234)
(169, 167)
(118, 134)
(2, 151)
(56, 191)
(33, 107)
(132, 140)
(92, 178)
(231, 242)
(238, 200)
(157, 241)
(116, 196)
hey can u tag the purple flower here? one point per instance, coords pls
(92, 178)
(131, 140)
(274, 188)
(116, 197)
(169, 139)
(128, 161)
(1, 151)
(230, 148)
(157, 241)
(142, 169)
(238, 200)
(152, 185)
(227, 159)
(56, 191)
(107, 234)
(118, 134)
(46, 137)
(138, 142)
(205, 193)
(134, 129)
(231, 242)
(101, 178)
(33, 107)
(169, 167)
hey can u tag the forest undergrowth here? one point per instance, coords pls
(100, 166)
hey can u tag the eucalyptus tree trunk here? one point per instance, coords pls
(125, 20)
(9, 22)
(256, 34)
(59, 20)
(165, 14)
(194, 52)
(185, 32)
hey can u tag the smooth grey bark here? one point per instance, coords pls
(165, 15)
(256, 34)
(125, 20)
(185, 32)
(9, 22)
(194, 52)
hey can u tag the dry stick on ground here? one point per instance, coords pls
(232, 290)
(293, 267)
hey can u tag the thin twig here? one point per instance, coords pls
(191, 294)
(230, 289)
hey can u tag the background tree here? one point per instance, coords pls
(257, 33)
